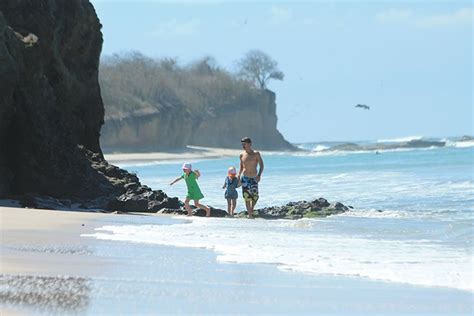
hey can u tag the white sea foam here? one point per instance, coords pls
(373, 213)
(319, 148)
(400, 139)
(356, 152)
(305, 246)
(460, 144)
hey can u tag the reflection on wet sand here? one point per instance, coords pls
(45, 294)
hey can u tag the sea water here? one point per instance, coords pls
(412, 220)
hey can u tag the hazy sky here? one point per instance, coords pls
(411, 62)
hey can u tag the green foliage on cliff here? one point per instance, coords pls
(133, 84)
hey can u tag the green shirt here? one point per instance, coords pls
(194, 193)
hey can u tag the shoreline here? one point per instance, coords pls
(191, 153)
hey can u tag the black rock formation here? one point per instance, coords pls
(51, 112)
(50, 98)
(302, 209)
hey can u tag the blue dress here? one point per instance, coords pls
(231, 188)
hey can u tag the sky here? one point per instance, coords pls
(410, 61)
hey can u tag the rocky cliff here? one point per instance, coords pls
(172, 128)
(150, 106)
(50, 97)
(51, 111)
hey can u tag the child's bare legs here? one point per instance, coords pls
(187, 207)
(233, 206)
(229, 207)
(204, 207)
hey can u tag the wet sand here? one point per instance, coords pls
(48, 268)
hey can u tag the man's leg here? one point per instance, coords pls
(253, 196)
(248, 205)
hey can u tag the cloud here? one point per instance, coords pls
(174, 28)
(280, 15)
(463, 16)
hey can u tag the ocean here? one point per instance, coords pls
(412, 221)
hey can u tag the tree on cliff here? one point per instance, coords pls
(258, 68)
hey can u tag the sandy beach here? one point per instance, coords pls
(191, 153)
(48, 268)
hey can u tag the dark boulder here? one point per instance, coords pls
(296, 210)
(172, 211)
(215, 212)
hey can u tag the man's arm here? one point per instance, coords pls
(241, 166)
(261, 167)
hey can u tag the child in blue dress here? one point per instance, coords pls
(232, 182)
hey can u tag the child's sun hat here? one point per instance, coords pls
(231, 171)
(187, 166)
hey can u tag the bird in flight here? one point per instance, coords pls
(363, 106)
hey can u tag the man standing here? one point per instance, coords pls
(249, 159)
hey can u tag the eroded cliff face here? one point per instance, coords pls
(50, 97)
(174, 127)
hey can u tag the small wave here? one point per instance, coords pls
(441, 214)
(460, 144)
(312, 147)
(357, 152)
(320, 148)
(400, 140)
(373, 213)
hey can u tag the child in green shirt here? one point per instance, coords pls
(194, 192)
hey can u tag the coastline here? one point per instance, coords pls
(191, 153)
(90, 276)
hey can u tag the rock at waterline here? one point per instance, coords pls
(215, 212)
(301, 209)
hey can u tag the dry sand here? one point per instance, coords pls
(192, 153)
